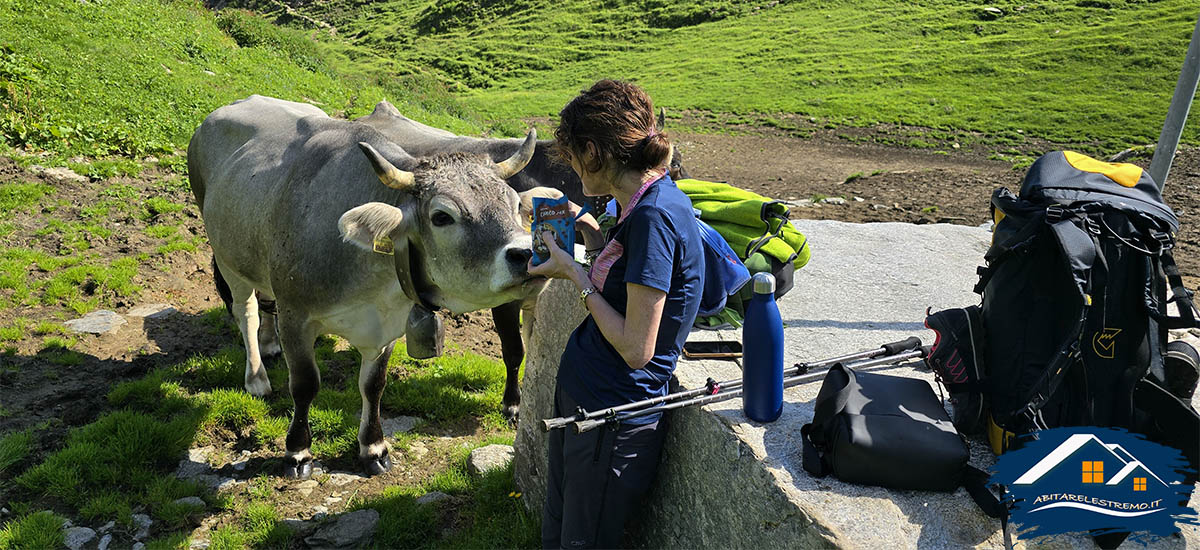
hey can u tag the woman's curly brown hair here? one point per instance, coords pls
(618, 118)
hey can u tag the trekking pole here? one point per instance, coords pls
(591, 424)
(712, 387)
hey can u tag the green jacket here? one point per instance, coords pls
(743, 217)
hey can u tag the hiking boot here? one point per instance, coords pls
(955, 361)
(1181, 366)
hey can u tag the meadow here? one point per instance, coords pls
(112, 90)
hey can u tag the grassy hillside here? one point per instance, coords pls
(1076, 71)
(134, 77)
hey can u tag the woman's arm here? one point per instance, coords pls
(635, 334)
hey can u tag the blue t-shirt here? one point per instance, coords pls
(656, 245)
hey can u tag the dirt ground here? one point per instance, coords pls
(889, 184)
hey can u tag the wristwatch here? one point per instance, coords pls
(583, 294)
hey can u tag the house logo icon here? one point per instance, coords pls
(1095, 480)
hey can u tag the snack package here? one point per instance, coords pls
(552, 215)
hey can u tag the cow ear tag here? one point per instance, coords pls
(383, 245)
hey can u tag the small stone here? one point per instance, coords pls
(805, 203)
(143, 523)
(490, 456)
(432, 497)
(417, 449)
(195, 464)
(60, 173)
(956, 146)
(198, 544)
(349, 531)
(195, 502)
(76, 537)
(859, 199)
(226, 484)
(342, 478)
(97, 322)
(306, 487)
(330, 501)
(240, 465)
(138, 546)
(400, 424)
(833, 200)
(153, 311)
(66, 524)
(107, 527)
(104, 542)
(209, 73)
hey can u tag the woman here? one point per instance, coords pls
(642, 294)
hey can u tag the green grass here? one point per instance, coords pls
(20, 197)
(14, 448)
(446, 388)
(135, 77)
(496, 517)
(33, 531)
(1066, 72)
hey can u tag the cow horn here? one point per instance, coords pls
(510, 166)
(388, 174)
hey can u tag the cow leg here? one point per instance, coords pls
(245, 312)
(507, 319)
(372, 376)
(268, 336)
(297, 339)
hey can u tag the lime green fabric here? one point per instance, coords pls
(737, 215)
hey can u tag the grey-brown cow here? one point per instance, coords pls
(304, 209)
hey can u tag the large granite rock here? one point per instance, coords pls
(728, 482)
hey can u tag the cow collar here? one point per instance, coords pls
(414, 280)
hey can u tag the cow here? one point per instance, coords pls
(543, 171)
(348, 234)
(538, 178)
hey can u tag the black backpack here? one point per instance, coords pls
(1072, 329)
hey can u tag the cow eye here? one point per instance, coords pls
(440, 219)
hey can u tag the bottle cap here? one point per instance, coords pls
(764, 283)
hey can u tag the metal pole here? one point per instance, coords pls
(1181, 102)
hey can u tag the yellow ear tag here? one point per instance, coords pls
(383, 245)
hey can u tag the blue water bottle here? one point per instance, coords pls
(762, 356)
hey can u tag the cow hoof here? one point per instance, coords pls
(258, 387)
(512, 413)
(376, 466)
(270, 351)
(302, 470)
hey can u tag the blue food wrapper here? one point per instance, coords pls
(552, 215)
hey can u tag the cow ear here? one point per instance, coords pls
(372, 225)
(527, 200)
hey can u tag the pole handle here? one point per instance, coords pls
(588, 425)
(554, 423)
(910, 343)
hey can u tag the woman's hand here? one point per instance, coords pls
(560, 265)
